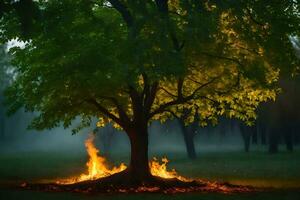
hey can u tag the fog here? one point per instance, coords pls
(17, 137)
(163, 138)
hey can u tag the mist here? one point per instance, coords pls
(163, 138)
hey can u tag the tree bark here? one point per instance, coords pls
(254, 135)
(188, 136)
(288, 137)
(246, 135)
(139, 166)
(296, 134)
(247, 143)
(273, 140)
(262, 130)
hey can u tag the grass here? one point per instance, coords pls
(281, 171)
(254, 168)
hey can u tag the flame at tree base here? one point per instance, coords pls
(167, 181)
(161, 170)
(97, 167)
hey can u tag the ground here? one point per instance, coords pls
(256, 168)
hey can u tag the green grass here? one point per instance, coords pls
(34, 166)
(254, 168)
(281, 171)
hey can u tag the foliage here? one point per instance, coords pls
(5, 76)
(131, 62)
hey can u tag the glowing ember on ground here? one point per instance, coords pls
(98, 168)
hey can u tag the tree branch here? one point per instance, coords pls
(183, 99)
(137, 104)
(236, 84)
(249, 50)
(123, 10)
(223, 57)
(253, 19)
(163, 107)
(204, 85)
(169, 93)
(179, 87)
(106, 112)
(123, 115)
(174, 114)
(150, 98)
(146, 89)
(163, 8)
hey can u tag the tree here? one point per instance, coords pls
(132, 62)
(188, 132)
(247, 132)
(279, 119)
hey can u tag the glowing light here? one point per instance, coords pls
(160, 170)
(97, 167)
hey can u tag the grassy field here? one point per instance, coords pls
(280, 171)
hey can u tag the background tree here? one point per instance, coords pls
(247, 133)
(283, 116)
(131, 62)
(188, 132)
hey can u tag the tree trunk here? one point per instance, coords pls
(288, 137)
(263, 135)
(273, 146)
(296, 134)
(247, 143)
(188, 136)
(189, 143)
(246, 135)
(139, 167)
(254, 135)
(273, 140)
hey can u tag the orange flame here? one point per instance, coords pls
(160, 170)
(97, 167)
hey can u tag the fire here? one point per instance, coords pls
(160, 170)
(97, 167)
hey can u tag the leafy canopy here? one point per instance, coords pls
(133, 61)
(5, 69)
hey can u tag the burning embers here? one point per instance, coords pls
(97, 167)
